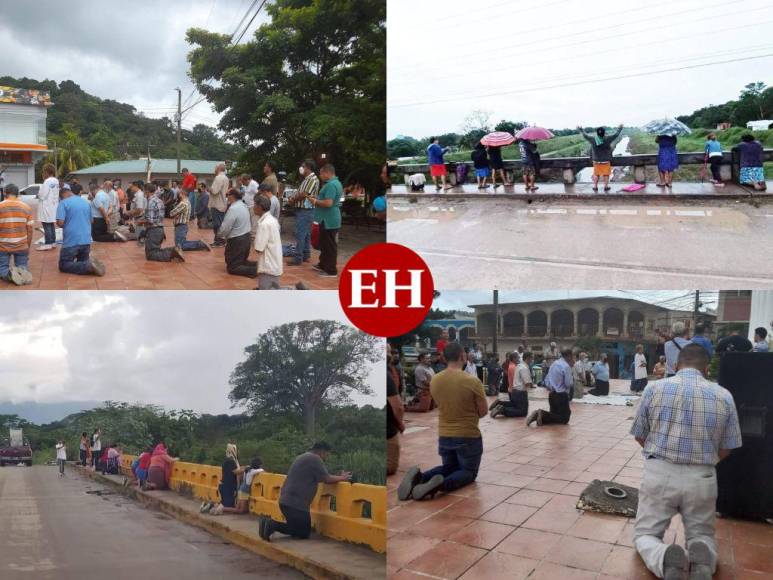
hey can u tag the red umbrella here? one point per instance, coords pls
(534, 134)
(498, 139)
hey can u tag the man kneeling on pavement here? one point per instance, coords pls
(685, 425)
(461, 401)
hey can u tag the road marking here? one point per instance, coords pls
(553, 210)
(591, 265)
(623, 212)
(654, 212)
(690, 213)
(586, 212)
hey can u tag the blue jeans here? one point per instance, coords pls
(180, 233)
(461, 459)
(75, 260)
(20, 260)
(49, 233)
(303, 220)
(217, 221)
(192, 197)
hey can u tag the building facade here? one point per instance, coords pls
(22, 133)
(161, 170)
(610, 325)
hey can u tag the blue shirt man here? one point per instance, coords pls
(560, 378)
(75, 214)
(600, 371)
(700, 339)
(435, 154)
(101, 201)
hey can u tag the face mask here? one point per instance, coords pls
(301, 170)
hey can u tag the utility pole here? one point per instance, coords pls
(695, 309)
(496, 321)
(179, 125)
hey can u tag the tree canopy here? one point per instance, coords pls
(88, 130)
(301, 367)
(312, 81)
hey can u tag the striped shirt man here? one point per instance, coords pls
(310, 188)
(15, 225)
(686, 419)
(181, 212)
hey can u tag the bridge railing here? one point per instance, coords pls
(336, 511)
(568, 167)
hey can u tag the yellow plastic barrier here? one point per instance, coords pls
(336, 511)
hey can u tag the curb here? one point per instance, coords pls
(615, 196)
(254, 544)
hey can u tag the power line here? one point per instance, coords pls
(605, 38)
(574, 55)
(234, 44)
(579, 83)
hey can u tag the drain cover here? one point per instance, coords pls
(609, 497)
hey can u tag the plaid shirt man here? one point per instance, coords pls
(181, 212)
(686, 419)
(154, 213)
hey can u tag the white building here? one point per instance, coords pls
(761, 125)
(22, 133)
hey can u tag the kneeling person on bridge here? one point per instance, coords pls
(305, 474)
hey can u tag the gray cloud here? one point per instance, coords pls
(169, 348)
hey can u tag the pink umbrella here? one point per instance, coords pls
(534, 134)
(498, 139)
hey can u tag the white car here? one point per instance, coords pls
(29, 194)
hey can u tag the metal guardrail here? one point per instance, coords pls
(336, 511)
(570, 166)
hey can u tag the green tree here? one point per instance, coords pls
(71, 152)
(752, 99)
(403, 147)
(510, 126)
(299, 367)
(312, 81)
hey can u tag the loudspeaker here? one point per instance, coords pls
(745, 477)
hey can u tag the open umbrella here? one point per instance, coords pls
(666, 126)
(498, 139)
(534, 134)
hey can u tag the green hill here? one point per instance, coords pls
(89, 130)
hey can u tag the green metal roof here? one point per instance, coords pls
(158, 166)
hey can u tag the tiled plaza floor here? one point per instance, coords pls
(518, 520)
(127, 268)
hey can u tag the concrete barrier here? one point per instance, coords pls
(336, 511)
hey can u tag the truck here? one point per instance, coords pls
(15, 449)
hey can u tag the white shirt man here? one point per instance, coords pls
(522, 376)
(268, 245)
(48, 201)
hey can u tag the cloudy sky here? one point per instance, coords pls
(674, 299)
(175, 349)
(133, 52)
(506, 57)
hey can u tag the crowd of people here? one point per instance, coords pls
(152, 470)
(244, 218)
(488, 164)
(684, 422)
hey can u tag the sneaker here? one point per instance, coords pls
(496, 412)
(206, 506)
(533, 416)
(25, 275)
(97, 267)
(674, 563)
(700, 561)
(327, 275)
(411, 478)
(177, 252)
(496, 403)
(218, 244)
(15, 276)
(264, 528)
(120, 236)
(427, 489)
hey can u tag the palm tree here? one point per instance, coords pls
(71, 152)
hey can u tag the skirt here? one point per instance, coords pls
(157, 477)
(603, 169)
(752, 174)
(667, 159)
(437, 170)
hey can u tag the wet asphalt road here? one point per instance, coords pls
(655, 244)
(51, 528)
